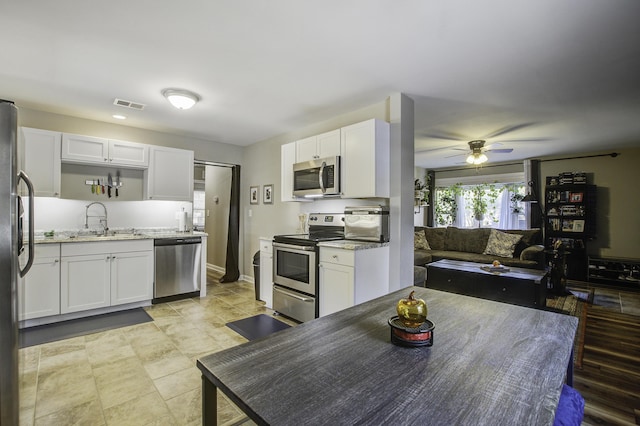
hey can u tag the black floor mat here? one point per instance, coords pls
(256, 327)
(79, 327)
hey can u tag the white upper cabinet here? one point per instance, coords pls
(287, 159)
(92, 150)
(365, 160)
(40, 159)
(85, 149)
(123, 153)
(170, 174)
(318, 146)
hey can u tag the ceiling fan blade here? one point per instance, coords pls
(442, 148)
(450, 136)
(455, 155)
(507, 129)
(529, 140)
(500, 151)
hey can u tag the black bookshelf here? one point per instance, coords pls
(570, 217)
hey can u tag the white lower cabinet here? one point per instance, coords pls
(131, 277)
(39, 290)
(100, 274)
(349, 277)
(84, 282)
(266, 272)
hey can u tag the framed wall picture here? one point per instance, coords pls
(578, 226)
(267, 194)
(253, 195)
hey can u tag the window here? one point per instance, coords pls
(493, 205)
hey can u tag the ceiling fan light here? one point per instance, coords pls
(481, 159)
(471, 159)
(181, 99)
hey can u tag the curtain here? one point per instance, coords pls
(508, 220)
(232, 272)
(460, 220)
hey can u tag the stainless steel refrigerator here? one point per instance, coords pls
(11, 245)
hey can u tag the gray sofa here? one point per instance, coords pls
(469, 244)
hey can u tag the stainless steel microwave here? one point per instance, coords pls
(317, 178)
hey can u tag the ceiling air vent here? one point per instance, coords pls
(129, 104)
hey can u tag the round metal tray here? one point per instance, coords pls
(411, 337)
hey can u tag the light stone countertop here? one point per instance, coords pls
(81, 236)
(352, 244)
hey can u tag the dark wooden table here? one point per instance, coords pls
(491, 363)
(520, 286)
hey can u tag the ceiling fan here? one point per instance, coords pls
(477, 155)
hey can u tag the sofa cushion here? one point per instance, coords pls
(467, 240)
(501, 244)
(421, 257)
(435, 237)
(529, 238)
(420, 241)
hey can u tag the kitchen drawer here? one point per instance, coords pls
(338, 256)
(43, 250)
(99, 247)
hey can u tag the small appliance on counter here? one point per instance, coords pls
(367, 223)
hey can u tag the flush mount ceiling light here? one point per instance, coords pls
(119, 116)
(180, 98)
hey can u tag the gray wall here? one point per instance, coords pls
(261, 166)
(618, 217)
(203, 149)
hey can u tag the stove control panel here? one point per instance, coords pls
(326, 219)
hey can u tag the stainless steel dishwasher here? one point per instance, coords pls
(177, 273)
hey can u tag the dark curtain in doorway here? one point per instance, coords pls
(232, 271)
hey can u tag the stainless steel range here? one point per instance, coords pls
(295, 266)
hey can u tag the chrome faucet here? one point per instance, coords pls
(103, 219)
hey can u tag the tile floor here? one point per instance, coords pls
(138, 375)
(146, 374)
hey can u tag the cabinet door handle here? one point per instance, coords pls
(56, 261)
(335, 256)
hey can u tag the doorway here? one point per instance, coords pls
(212, 210)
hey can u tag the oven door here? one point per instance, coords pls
(295, 267)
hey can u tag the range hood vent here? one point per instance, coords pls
(129, 104)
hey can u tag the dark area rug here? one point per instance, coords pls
(575, 303)
(40, 334)
(258, 326)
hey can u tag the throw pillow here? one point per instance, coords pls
(501, 244)
(420, 241)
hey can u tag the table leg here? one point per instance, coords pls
(209, 403)
(570, 370)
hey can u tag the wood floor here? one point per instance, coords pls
(609, 379)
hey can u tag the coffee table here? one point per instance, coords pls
(518, 286)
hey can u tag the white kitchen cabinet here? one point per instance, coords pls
(84, 149)
(92, 150)
(39, 290)
(365, 160)
(131, 154)
(131, 277)
(84, 282)
(349, 277)
(100, 274)
(40, 159)
(318, 146)
(287, 159)
(170, 174)
(266, 272)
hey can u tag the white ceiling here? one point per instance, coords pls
(543, 77)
